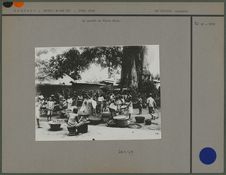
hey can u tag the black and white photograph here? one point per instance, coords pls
(109, 92)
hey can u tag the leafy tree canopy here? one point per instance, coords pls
(73, 61)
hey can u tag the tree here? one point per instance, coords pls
(110, 57)
(42, 69)
(73, 62)
(70, 62)
(132, 66)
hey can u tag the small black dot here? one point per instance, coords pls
(93, 139)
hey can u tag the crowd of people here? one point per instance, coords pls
(90, 104)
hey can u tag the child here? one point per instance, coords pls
(49, 107)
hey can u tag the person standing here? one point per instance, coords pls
(151, 105)
(101, 102)
(130, 107)
(112, 108)
(79, 100)
(94, 105)
(69, 102)
(118, 103)
(140, 104)
(49, 107)
(37, 111)
(84, 110)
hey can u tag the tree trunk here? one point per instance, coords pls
(132, 61)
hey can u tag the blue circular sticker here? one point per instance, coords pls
(207, 155)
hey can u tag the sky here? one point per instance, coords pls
(153, 59)
(95, 73)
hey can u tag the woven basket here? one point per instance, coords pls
(139, 119)
(54, 127)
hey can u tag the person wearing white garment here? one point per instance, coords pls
(151, 105)
(37, 111)
(69, 102)
(94, 105)
(101, 102)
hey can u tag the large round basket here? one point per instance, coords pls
(121, 121)
(106, 116)
(54, 126)
(83, 128)
(94, 120)
(139, 119)
(72, 130)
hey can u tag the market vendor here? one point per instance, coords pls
(73, 118)
(76, 122)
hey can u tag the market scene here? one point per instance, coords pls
(97, 93)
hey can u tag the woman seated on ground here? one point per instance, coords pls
(73, 118)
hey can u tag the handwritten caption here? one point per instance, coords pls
(100, 20)
(125, 152)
